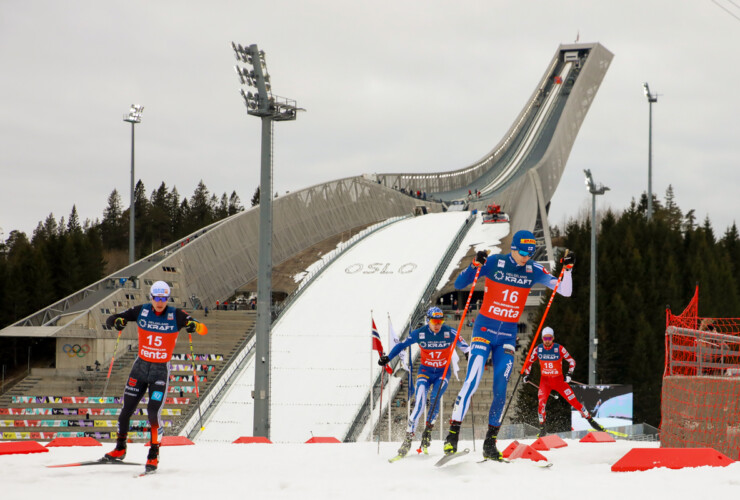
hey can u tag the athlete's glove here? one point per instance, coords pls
(525, 378)
(191, 326)
(568, 260)
(567, 379)
(480, 258)
(383, 360)
(119, 324)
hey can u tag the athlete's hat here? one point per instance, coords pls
(548, 332)
(523, 241)
(160, 289)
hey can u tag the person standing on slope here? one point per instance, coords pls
(509, 279)
(551, 356)
(158, 325)
(435, 340)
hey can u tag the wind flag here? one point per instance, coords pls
(406, 365)
(378, 345)
(393, 340)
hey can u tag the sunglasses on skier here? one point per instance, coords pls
(157, 298)
(436, 321)
(524, 253)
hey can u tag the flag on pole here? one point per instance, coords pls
(378, 345)
(393, 340)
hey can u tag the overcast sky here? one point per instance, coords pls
(389, 86)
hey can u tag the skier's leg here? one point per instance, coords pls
(503, 363)
(420, 395)
(132, 394)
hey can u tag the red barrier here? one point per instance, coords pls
(509, 449)
(323, 440)
(74, 441)
(252, 439)
(598, 437)
(547, 442)
(175, 441)
(16, 447)
(671, 458)
(526, 451)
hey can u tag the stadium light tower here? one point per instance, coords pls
(133, 117)
(269, 108)
(592, 341)
(651, 99)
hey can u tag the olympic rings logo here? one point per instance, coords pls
(78, 350)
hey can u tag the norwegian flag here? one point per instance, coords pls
(378, 345)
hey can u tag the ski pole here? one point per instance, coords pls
(195, 378)
(112, 359)
(457, 336)
(554, 396)
(534, 339)
(380, 407)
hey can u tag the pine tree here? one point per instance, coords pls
(256, 197)
(235, 204)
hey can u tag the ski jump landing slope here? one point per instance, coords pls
(322, 362)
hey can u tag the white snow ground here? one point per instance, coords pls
(356, 471)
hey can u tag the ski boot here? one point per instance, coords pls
(406, 445)
(118, 453)
(451, 439)
(426, 438)
(152, 459)
(595, 424)
(542, 432)
(490, 452)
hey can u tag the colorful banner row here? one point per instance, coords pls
(44, 436)
(180, 367)
(75, 423)
(82, 411)
(187, 378)
(199, 357)
(87, 400)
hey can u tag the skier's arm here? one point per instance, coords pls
(413, 338)
(462, 345)
(185, 320)
(128, 315)
(466, 277)
(567, 357)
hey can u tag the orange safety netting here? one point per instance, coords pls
(700, 406)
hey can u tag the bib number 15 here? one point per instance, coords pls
(154, 340)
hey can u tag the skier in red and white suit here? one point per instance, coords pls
(551, 356)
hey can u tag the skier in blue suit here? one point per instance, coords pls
(435, 340)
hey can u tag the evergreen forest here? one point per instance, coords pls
(642, 269)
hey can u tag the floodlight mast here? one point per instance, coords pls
(651, 99)
(269, 108)
(133, 117)
(592, 341)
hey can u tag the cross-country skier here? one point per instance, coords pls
(551, 356)
(509, 278)
(435, 340)
(158, 325)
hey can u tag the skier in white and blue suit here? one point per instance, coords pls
(509, 279)
(435, 340)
